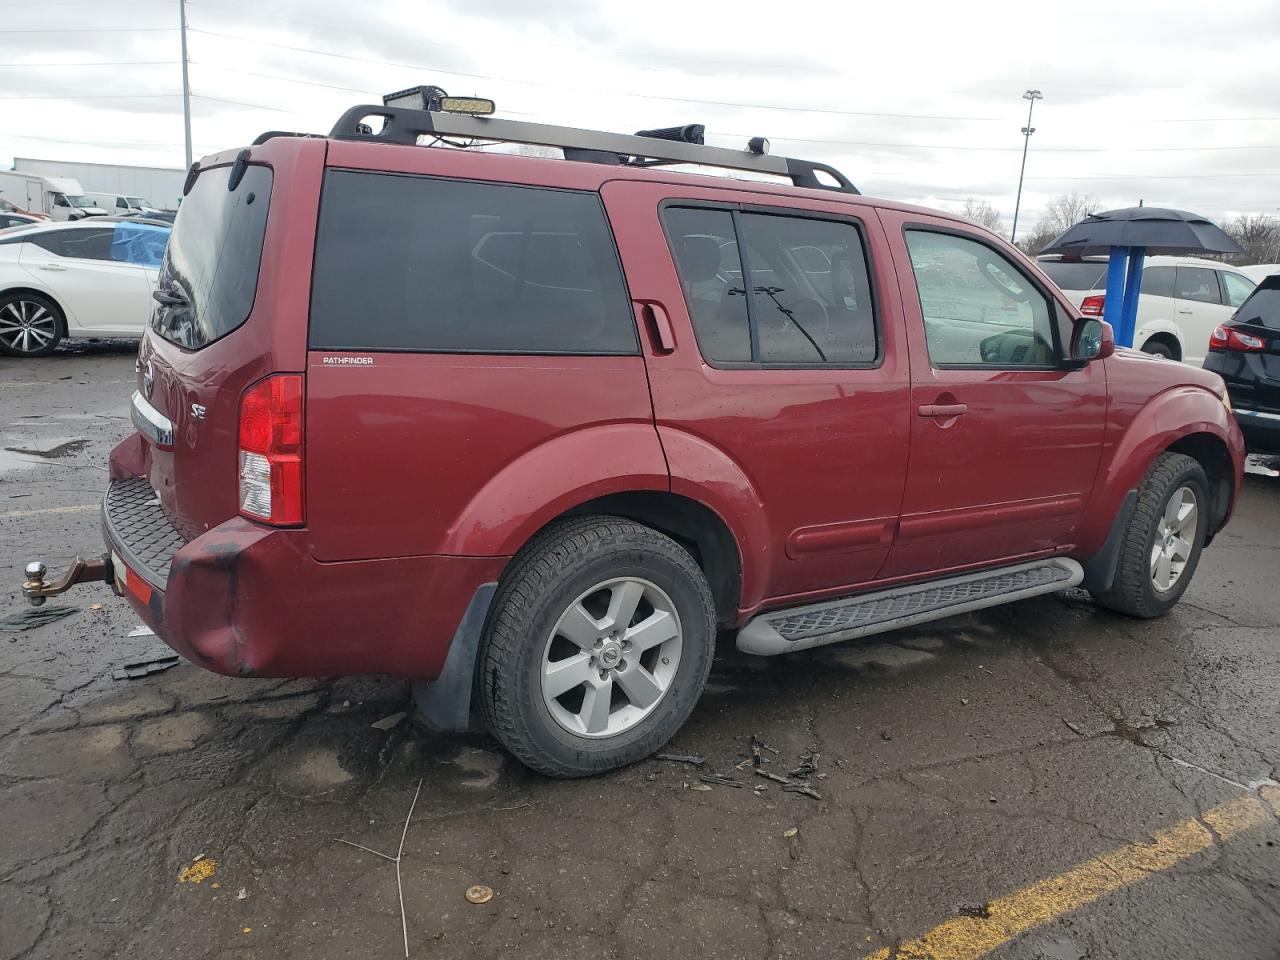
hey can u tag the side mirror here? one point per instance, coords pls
(1092, 339)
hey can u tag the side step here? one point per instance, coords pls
(799, 628)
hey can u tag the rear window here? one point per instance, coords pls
(1262, 308)
(422, 264)
(215, 250)
(1085, 275)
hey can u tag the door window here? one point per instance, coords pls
(810, 301)
(1197, 283)
(979, 309)
(92, 244)
(1158, 281)
(1237, 288)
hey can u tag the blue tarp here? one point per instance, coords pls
(140, 243)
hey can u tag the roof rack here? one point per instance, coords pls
(405, 126)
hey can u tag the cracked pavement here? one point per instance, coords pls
(957, 763)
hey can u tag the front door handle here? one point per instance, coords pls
(51, 266)
(942, 409)
(1185, 310)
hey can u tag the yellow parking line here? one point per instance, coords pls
(967, 938)
(78, 508)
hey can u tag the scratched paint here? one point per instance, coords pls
(968, 937)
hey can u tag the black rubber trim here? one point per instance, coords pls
(445, 703)
(1100, 569)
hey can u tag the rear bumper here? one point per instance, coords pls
(243, 599)
(1261, 430)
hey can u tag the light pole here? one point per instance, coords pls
(186, 85)
(1032, 96)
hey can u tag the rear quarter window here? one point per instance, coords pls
(424, 264)
(1085, 275)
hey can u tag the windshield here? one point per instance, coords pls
(82, 202)
(139, 202)
(209, 276)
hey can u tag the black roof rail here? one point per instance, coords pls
(405, 126)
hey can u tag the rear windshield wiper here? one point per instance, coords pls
(171, 297)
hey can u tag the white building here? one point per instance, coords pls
(161, 185)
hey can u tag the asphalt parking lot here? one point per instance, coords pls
(1045, 780)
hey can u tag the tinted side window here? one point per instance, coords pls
(1237, 287)
(810, 291)
(1158, 281)
(80, 244)
(1197, 283)
(979, 310)
(705, 250)
(1070, 275)
(432, 265)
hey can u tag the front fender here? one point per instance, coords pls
(1168, 417)
(542, 483)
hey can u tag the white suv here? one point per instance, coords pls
(1183, 299)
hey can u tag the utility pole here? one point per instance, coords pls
(186, 84)
(1027, 131)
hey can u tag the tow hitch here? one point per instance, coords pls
(36, 588)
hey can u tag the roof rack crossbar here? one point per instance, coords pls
(405, 126)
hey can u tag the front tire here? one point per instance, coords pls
(598, 646)
(1164, 539)
(31, 325)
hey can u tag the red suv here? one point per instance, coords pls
(530, 431)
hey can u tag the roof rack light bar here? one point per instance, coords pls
(405, 126)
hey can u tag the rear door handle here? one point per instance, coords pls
(655, 315)
(51, 266)
(942, 409)
(1185, 310)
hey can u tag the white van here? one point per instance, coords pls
(122, 204)
(60, 197)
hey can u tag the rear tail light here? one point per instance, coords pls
(1229, 338)
(1092, 306)
(271, 450)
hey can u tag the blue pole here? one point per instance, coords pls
(1132, 287)
(1113, 307)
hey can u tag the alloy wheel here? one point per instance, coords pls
(1174, 538)
(27, 326)
(611, 657)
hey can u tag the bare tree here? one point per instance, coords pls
(1259, 234)
(1062, 212)
(983, 213)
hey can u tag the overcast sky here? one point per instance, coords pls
(1176, 103)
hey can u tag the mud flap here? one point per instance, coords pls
(445, 702)
(1100, 569)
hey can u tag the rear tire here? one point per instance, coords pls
(598, 646)
(31, 325)
(1158, 348)
(1163, 541)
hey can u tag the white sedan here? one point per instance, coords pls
(91, 278)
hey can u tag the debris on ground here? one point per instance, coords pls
(242, 894)
(144, 668)
(388, 722)
(790, 832)
(701, 787)
(808, 764)
(479, 893)
(35, 617)
(719, 780)
(199, 871)
(62, 448)
(1073, 727)
(804, 788)
(693, 758)
(142, 631)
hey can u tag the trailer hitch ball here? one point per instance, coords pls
(35, 582)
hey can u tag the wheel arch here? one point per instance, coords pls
(1162, 330)
(1212, 453)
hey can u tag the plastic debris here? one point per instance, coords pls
(479, 893)
(142, 631)
(242, 894)
(1072, 727)
(693, 758)
(719, 780)
(143, 668)
(701, 787)
(790, 832)
(35, 617)
(388, 723)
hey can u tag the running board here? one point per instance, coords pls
(799, 628)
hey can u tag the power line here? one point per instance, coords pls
(561, 86)
(97, 30)
(273, 76)
(1164, 176)
(955, 146)
(92, 63)
(92, 96)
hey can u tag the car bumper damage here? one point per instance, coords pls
(244, 599)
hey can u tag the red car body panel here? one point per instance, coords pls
(426, 473)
